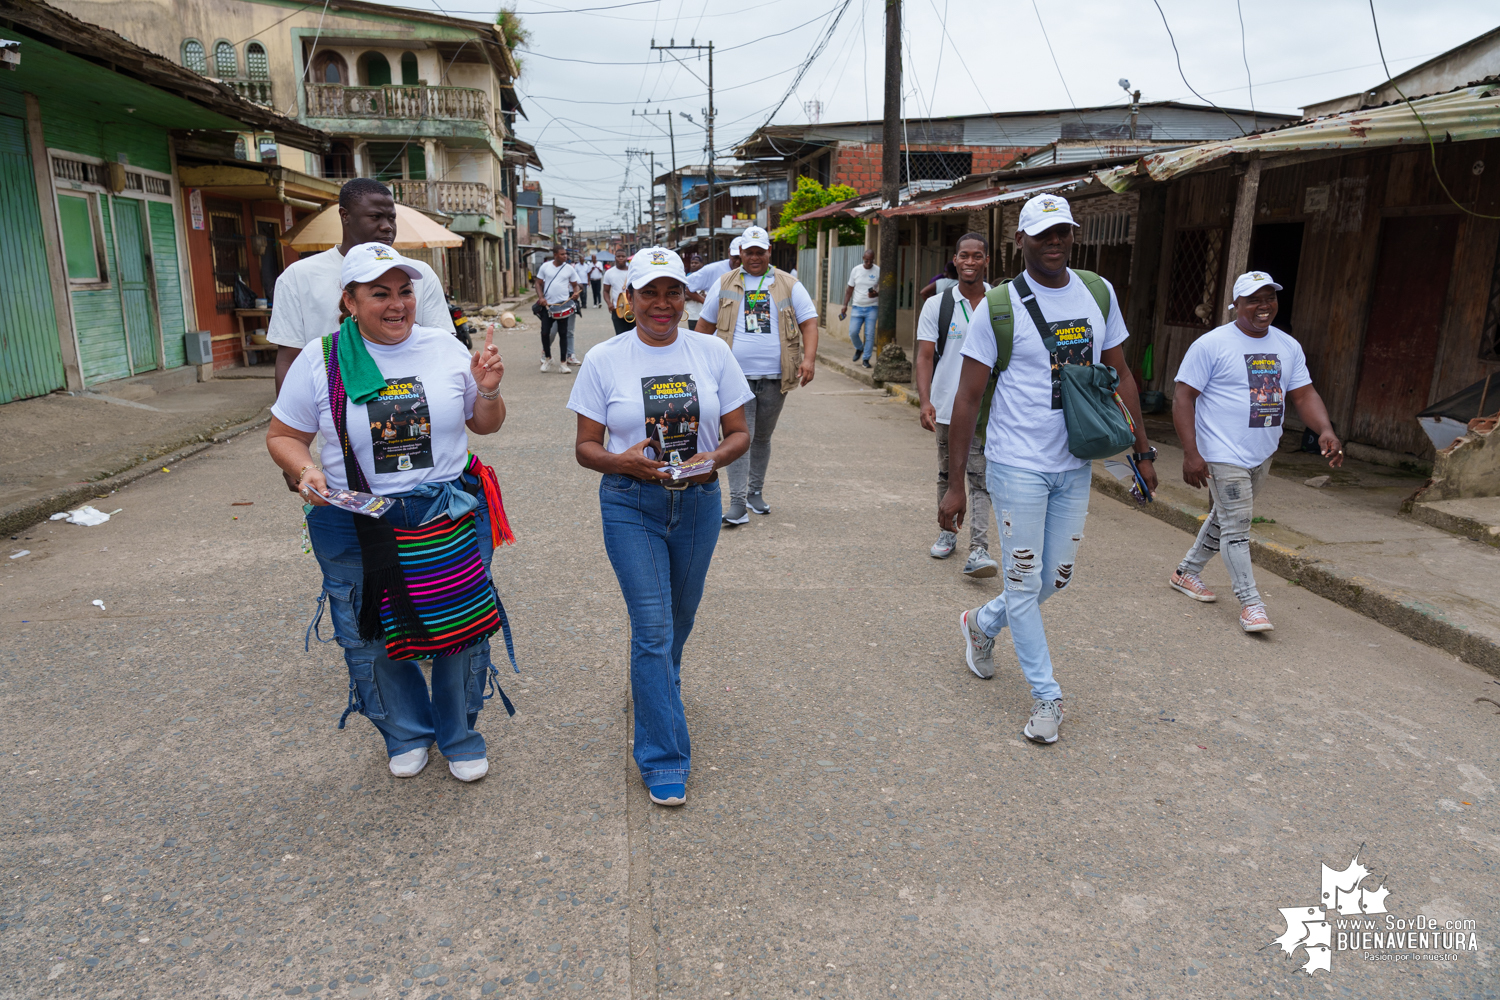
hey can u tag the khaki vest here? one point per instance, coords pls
(732, 300)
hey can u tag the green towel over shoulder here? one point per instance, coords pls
(362, 378)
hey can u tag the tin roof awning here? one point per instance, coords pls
(1468, 113)
(968, 201)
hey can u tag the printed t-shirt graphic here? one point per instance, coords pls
(400, 426)
(758, 306)
(672, 413)
(1069, 342)
(1266, 402)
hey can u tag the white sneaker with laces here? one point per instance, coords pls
(564, 369)
(409, 764)
(469, 770)
(573, 360)
(546, 364)
(1253, 618)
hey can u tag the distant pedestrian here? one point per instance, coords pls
(1232, 389)
(862, 294)
(556, 292)
(771, 324)
(694, 299)
(1040, 487)
(380, 362)
(596, 277)
(659, 391)
(702, 280)
(615, 299)
(941, 329)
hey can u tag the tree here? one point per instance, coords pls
(809, 196)
(516, 35)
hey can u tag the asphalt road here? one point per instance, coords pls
(181, 816)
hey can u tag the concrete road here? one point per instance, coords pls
(181, 816)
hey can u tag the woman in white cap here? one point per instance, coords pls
(413, 582)
(673, 405)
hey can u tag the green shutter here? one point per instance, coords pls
(168, 282)
(416, 163)
(385, 159)
(30, 355)
(77, 218)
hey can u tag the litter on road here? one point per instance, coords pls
(86, 515)
(23, 552)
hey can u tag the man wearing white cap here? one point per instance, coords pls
(1231, 395)
(1054, 316)
(701, 280)
(750, 307)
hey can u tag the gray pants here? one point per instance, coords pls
(980, 509)
(1226, 529)
(747, 474)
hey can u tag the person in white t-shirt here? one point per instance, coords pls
(694, 264)
(943, 324)
(701, 280)
(595, 275)
(1232, 389)
(557, 288)
(613, 283)
(1039, 486)
(393, 379)
(667, 399)
(862, 294)
(747, 307)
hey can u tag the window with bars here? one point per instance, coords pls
(226, 63)
(257, 66)
(1193, 291)
(226, 231)
(193, 56)
(935, 166)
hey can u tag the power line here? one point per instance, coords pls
(1245, 54)
(811, 57)
(1055, 63)
(1179, 66)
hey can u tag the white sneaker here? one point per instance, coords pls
(469, 770)
(546, 364)
(573, 360)
(564, 369)
(409, 764)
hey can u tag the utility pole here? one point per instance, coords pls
(648, 160)
(890, 176)
(672, 139)
(708, 115)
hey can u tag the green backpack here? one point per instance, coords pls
(1003, 323)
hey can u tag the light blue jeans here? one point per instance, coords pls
(862, 319)
(1041, 517)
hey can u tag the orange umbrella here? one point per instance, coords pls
(414, 231)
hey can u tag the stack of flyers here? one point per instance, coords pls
(1128, 471)
(688, 470)
(361, 503)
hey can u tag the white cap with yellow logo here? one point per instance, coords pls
(1251, 282)
(650, 263)
(369, 261)
(1042, 213)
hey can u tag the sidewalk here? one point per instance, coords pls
(59, 451)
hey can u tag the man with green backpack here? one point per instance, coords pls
(1040, 365)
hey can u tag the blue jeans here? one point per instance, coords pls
(392, 693)
(862, 318)
(660, 543)
(1041, 518)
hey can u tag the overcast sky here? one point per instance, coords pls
(960, 58)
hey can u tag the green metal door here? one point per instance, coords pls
(30, 356)
(136, 299)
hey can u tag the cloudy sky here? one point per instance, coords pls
(589, 64)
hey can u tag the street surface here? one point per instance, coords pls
(182, 817)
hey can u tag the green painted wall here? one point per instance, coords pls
(101, 326)
(168, 283)
(74, 129)
(30, 358)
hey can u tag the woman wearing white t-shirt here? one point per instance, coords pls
(667, 398)
(392, 401)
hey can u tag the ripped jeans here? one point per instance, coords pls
(393, 694)
(1041, 517)
(1226, 529)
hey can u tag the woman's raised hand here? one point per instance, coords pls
(487, 366)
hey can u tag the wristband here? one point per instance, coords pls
(490, 395)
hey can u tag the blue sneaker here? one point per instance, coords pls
(668, 795)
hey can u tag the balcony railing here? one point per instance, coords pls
(254, 91)
(452, 197)
(334, 100)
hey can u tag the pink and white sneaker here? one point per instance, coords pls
(1253, 618)
(1193, 586)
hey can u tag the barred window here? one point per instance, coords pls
(193, 56)
(226, 64)
(1193, 292)
(256, 63)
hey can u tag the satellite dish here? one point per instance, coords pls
(1124, 83)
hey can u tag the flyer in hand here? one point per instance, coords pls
(361, 503)
(688, 470)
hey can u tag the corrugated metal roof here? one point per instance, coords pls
(1464, 114)
(983, 198)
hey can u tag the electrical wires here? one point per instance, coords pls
(1179, 67)
(1245, 54)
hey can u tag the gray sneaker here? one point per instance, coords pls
(980, 566)
(736, 513)
(979, 649)
(1046, 716)
(757, 503)
(943, 547)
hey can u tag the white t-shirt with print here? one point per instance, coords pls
(951, 364)
(759, 350)
(862, 281)
(1242, 383)
(557, 281)
(305, 306)
(1026, 430)
(614, 283)
(621, 375)
(412, 433)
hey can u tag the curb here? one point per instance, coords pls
(860, 374)
(1408, 616)
(1456, 524)
(17, 517)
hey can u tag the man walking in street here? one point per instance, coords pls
(941, 330)
(1055, 316)
(556, 287)
(614, 287)
(863, 294)
(1232, 388)
(595, 276)
(702, 280)
(749, 307)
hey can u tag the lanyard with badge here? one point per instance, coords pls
(758, 307)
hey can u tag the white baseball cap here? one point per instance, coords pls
(755, 237)
(369, 261)
(1043, 212)
(734, 246)
(1252, 281)
(650, 263)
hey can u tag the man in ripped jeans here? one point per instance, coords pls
(1231, 395)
